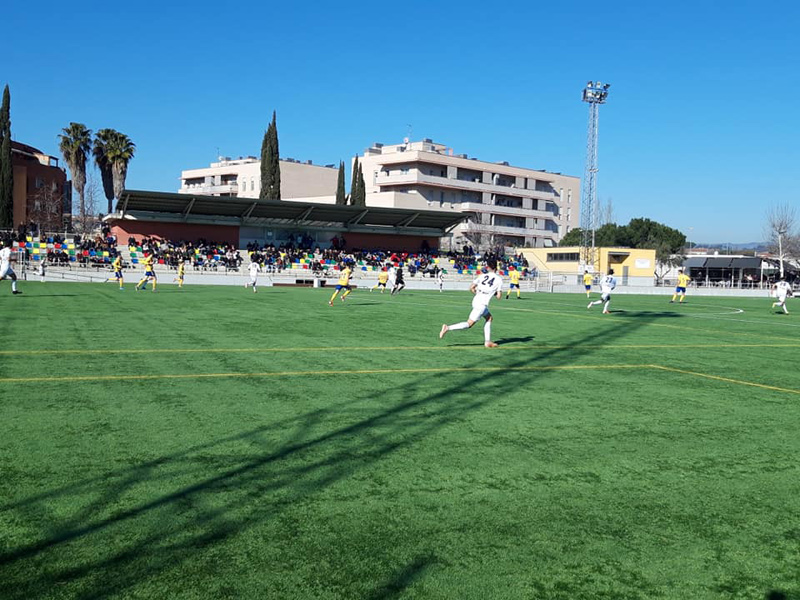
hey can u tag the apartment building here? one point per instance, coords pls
(241, 177)
(507, 205)
(42, 191)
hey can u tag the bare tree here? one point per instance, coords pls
(607, 212)
(781, 232)
(91, 197)
(47, 208)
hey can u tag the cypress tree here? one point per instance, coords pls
(265, 172)
(270, 165)
(274, 190)
(341, 199)
(361, 198)
(6, 171)
(354, 183)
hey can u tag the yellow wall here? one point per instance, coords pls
(640, 262)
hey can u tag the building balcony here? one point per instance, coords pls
(505, 210)
(413, 178)
(469, 227)
(210, 190)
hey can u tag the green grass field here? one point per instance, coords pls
(215, 443)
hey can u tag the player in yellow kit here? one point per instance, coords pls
(343, 284)
(181, 273)
(513, 276)
(116, 266)
(383, 279)
(683, 281)
(149, 274)
(587, 282)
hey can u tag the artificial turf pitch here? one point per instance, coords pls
(214, 443)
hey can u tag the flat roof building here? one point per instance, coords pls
(241, 178)
(507, 205)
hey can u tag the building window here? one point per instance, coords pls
(252, 184)
(39, 183)
(563, 256)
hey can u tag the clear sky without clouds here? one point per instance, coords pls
(700, 130)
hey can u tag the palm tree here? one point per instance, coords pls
(101, 140)
(75, 144)
(119, 152)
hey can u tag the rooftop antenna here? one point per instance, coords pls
(595, 93)
(410, 129)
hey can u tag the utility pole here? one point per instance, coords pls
(595, 94)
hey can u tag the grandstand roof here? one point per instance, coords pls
(722, 262)
(196, 208)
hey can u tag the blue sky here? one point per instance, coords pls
(699, 131)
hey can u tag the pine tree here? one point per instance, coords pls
(6, 171)
(341, 199)
(354, 183)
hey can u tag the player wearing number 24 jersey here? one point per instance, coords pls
(485, 287)
(607, 285)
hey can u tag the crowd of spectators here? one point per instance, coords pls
(203, 254)
(423, 262)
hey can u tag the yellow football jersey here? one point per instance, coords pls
(117, 264)
(683, 280)
(514, 277)
(383, 277)
(344, 276)
(587, 279)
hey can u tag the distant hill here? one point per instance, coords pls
(760, 246)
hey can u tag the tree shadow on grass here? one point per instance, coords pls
(98, 537)
(403, 579)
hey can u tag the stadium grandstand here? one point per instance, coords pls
(294, 242)
(240, 221)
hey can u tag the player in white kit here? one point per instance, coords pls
(607, 285)
(6, 272)
(440, 279)
(780, 291)
(254, 269)
(485, 287)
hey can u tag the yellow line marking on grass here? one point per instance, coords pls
(511, 346)
(726, 379)
(73, 378)
(97, 378)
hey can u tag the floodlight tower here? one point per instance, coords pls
(595, 93)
